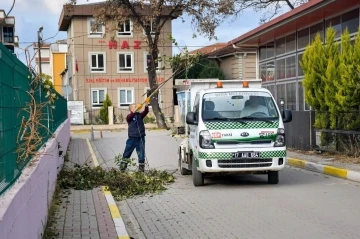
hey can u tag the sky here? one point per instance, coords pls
(30, 15)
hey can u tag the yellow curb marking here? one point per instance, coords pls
(96, 162)
(114, 210)
(337, 172)
(297, 162)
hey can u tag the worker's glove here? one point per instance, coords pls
(147, 101)
(138, 107)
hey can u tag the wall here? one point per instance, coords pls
(230, 66)
(24, 208)
(249, 66)
(58, 67)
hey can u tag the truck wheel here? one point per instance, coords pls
(198, 177)
(273, 177)
(183, 171)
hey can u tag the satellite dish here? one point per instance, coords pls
(67, 90)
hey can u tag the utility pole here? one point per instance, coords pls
(39, 47)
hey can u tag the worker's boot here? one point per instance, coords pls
(123, 166)
(141, 167)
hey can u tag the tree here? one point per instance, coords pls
(204, 68)
(151, 16)
(104, 111)
(270, 8)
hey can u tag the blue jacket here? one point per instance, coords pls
(136, 123)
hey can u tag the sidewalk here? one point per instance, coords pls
(326, 164)
(84, 214)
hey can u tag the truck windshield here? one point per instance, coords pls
(237, 105)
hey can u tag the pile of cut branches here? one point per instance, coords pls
(121, 184)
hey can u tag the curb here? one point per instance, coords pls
(114, 210)
(325, 169)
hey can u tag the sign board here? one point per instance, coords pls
(76, 112)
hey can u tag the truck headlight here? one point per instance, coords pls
(280, 138)
(205, 140)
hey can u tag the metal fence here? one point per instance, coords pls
(15, 79)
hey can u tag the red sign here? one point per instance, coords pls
(121, 80)
(123, 45)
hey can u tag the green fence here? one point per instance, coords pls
(15, 79)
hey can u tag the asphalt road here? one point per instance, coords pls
(303, 205)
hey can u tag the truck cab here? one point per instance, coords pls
(234, 129)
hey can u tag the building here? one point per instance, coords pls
(53, 62)
(98, 65)
(280, 44)
(236, 62)
(7, 32)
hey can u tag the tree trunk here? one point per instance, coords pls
(160, 119)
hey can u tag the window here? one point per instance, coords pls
(125, 63)
(196, 107)
(291, 43)
(262, 53)
(147, 91)
(8, 33)
(267, 71)
(97, 97)
(303, 38)
(97, 32)
(300, 70)
(270, 50)
(147, 62)
(280, 93)
(336, 24)
(151, 25)
(290, 67)
(126, 96)
(350, 20)
(318, 28)
(97, 62)
(125, 29)
(302, 103)
(263, 72)
(280, 69)
(291, 96)
(280, 46)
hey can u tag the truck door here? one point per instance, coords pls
(195, 128)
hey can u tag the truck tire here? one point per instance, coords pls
(198, 177)
(183, 171)
(273, 177)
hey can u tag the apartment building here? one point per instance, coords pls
(99, 65)
(53, 62)
(7, 32)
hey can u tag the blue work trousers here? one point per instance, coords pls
(139, 144)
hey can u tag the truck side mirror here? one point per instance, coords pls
(190, 118)
(287, 116)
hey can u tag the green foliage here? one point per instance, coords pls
(121, 184)
(204, 69)
(331, 80)
(149, 120)
(104, 111)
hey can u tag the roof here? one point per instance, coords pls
(209, 49)
(88, 10)
(305, 15)
(229, 49)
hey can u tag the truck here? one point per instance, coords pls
(231, 126)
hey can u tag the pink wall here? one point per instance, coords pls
(24, 208)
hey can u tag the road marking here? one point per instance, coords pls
(337, 172)
(93, 156)
(114, 210)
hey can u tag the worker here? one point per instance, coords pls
(136, 134)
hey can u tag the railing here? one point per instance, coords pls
(15, 79)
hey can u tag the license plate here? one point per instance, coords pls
(246, 155)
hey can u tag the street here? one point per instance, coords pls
(303, 205)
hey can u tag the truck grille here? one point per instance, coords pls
(245, 163)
